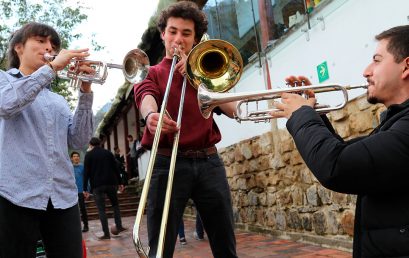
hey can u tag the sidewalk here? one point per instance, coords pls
(249, 245)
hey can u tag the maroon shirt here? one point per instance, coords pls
(196, 132)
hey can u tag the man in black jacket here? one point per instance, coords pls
(102, 171)
(374, 167)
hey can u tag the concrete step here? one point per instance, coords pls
(128, 205)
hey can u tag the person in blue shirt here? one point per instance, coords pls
(38, 195)
(79, 181)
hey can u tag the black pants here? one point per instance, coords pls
(83, 209)
(20, 228)
(204, 181)
(99, 195)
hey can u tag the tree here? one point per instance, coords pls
(56, 13)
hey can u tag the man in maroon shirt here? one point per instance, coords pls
(199, 172)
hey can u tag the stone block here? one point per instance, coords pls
(270, 218)
(319, 223)
(246, 150)
(294, 221)
(347, 222)
(338, 115)
(271, 199)
(281, 222)
(238, 156)
(261, 180)
(324, 194)
(312, 196)
(306, 222)
(277, 162)
(297, 195)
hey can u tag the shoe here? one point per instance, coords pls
(197, 237)
(85, 229)
(183, 241)
(104, 237)
(115, 231)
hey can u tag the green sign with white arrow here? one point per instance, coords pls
(322, 70)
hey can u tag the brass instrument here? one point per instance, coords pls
(135, 67)
(214, 62)
(208, 100)
(144, 195)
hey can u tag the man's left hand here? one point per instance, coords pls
(290, 102)
(85, 67)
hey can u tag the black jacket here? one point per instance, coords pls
(100, 168)
(374, 167)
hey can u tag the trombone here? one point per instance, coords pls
(135, 68)
(208, 100)
(214, 62)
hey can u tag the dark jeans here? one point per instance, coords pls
(99, 195)
(199, 226)
(181, 230)
(133, 166)
(83, 210)
(20, 228)
(204, 181)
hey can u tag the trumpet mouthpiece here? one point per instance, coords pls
(48, 57)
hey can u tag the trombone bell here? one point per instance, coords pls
(214, 63)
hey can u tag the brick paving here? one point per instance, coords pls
(249, 245)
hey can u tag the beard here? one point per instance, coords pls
(372, 99)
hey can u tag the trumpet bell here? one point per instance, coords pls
(135, 66)
(214, 63)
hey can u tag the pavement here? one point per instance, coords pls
(249, 245)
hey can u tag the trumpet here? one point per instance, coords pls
(208, 100)
(135, 67)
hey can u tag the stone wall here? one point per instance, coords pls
(274, 192)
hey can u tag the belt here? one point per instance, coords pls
(203, 153)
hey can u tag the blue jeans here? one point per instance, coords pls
(20, 228)
(99, 195)
(204, 181)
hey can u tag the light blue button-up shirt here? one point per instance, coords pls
(36, 129)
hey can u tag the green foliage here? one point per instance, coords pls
(56, 13)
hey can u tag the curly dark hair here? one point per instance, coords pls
(29, 30)
(186, 10)
(398, 44)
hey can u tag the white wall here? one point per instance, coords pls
(346, 43)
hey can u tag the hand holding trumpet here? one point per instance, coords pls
(64, 58)
(290, 102)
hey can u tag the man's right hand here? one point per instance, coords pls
(168, 125)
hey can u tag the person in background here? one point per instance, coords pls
(199, 232)
(38, 195)
(199, 172)
(132, 157)
(181, 233)
(120, 161)
(373, 167)
(79, 177)
(102, 172)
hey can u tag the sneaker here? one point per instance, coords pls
(183, 241)
(104, 237)
(115, 231)
(197, 237)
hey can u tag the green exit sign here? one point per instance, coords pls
(322, 70)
